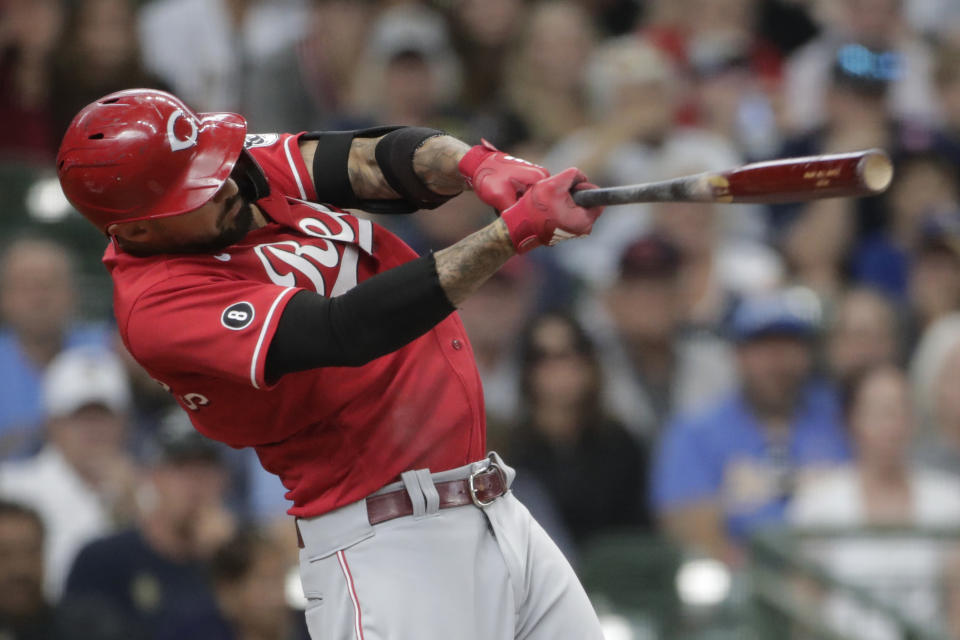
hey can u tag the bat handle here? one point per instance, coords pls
(694, 188)
(588, 198)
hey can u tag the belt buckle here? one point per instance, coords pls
(492, 466)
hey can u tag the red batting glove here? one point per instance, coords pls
(547, 214)
(497, 178)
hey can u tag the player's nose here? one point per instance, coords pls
(227, 191)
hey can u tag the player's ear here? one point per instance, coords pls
(135, 231)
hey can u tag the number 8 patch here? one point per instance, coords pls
(237, 316)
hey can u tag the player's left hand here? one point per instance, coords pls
(497, 178)
(547, 214)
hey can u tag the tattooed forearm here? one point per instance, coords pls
(435, 162)
(365, 176)
(464, 266)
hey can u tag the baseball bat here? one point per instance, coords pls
(839, 175)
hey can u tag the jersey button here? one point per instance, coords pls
(457, 345)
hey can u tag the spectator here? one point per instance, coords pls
(719, 266)
(82, 481)
(152, 404)
(721, 474)
(723, 257)
(202, 48)
(613, 17)
(816, 246)
(934, 371)
(152, 575)
(933, 288)
(248, 575)
(881, 487)
(864, 332)
(36, 306)
(788, 24)
(733, 70)
(692, 31)
(856, 117)
(936, 18)
(310, 81)
(593, 472)
(633, 92)
(654, 364)
(925, 185)
(484, 33)
(878, 25)
(947, 77)
(29, 35)
(632, 89)
(410, 73)
(856, 111)
(733, 100)
(545, 80)
(241, 476)
(494, 317)
(25, 613)
(98, 54)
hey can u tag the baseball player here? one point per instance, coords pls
(282, 323)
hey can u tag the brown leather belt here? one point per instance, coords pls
(481, 488)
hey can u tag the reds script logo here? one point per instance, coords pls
(339, 239)
(281, 259)
(176, 142)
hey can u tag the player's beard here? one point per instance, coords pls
(241, 225)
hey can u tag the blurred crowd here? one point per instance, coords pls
(700, 372)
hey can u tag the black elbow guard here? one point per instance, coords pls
(394, 155)
(332, 178)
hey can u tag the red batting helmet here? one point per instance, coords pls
(140, 154)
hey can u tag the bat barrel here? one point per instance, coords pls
(857, 174)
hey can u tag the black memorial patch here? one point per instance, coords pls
(237, 316)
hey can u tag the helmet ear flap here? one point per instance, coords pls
(250, 178)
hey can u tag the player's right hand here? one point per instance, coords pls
(498, 179)
(547, 214)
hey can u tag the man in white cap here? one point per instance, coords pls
(82, 481)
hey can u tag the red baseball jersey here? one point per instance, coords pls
(201, 325)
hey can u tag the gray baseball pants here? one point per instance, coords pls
(462, 573)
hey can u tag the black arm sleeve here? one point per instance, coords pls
(376, 317)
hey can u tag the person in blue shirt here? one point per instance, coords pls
(722, 473)
(152, 577)
(248, 575)
(37, 295)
